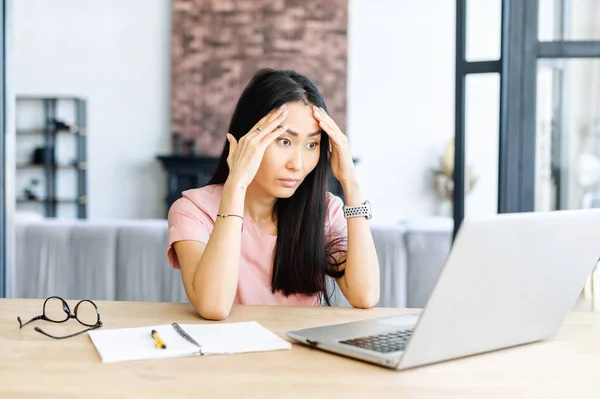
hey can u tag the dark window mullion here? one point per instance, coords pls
(569, 49)
(463, 68)
(458, 195)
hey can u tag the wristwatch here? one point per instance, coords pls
(357, 211)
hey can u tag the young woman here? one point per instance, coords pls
(265, 230)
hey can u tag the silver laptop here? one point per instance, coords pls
(509, 279)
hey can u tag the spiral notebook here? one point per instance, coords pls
(182, 340)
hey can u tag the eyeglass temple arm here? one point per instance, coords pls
(21, 325)
(67, 336)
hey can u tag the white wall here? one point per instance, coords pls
(401, 102)
(116, 54)
(400, 96)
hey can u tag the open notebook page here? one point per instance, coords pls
(121, 344)
(221, 338)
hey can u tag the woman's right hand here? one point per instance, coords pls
(246, 155)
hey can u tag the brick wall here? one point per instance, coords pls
(218, 45)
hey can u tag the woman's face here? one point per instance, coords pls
(291, 157)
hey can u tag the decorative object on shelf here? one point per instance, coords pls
(44, 156)
(32, 192)
(443, 180)
(60, 125)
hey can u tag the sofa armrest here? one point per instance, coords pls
(428, 243)
(391, 252)
(143, 273)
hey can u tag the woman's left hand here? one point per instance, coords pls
(342, 165)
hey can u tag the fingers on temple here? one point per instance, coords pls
(273, 124)
(269, 117)
(269, 138)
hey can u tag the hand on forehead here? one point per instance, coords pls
(301, 120)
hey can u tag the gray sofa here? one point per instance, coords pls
(125, 260)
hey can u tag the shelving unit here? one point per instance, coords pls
(62, 117)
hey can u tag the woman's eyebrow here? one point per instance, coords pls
(293, 133)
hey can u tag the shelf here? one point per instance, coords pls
(80, 166)
(37, 132)
(52, 201)
(22, 97)
(54, 129)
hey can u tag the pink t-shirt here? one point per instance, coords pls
(193, 216)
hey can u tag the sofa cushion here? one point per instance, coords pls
(72, 259)
(428, 242)
(144, 273)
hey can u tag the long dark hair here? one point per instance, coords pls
(302, 258)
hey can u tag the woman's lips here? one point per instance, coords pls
(289, 182)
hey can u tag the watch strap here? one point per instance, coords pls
(363, 210)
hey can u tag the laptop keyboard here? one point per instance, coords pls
(384, 343)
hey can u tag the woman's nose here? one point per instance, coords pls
(295, 161)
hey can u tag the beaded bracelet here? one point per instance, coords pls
(224, 215)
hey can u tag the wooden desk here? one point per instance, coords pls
(32, 365)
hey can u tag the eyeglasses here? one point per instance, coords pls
(56, 310)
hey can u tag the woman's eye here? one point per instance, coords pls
(312, 146)
(285, 142)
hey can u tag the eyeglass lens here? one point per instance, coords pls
(87, 313)
(55, 309)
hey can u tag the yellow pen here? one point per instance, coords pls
(158, 340)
